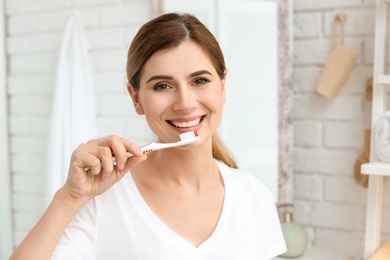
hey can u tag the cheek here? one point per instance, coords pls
(153, 105)
(215, 100)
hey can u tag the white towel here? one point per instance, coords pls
(73, 118)
(382, 137)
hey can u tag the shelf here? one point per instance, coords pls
(384, 79)
(376, 168)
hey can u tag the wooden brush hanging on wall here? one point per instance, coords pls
(360, 178)
(338, 65)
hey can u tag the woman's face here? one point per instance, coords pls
(180, 91)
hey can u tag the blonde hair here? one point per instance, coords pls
(168, 31)
(222, 153)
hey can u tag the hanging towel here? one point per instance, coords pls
(382, 137)
(73, 116)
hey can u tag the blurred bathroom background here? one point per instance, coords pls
(328, 133)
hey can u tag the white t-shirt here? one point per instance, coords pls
(119, 225)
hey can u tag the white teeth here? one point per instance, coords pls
(186, 124)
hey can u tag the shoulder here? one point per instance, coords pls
(246, 197)
(243, 182)
(242, 177)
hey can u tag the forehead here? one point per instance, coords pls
(183, 59)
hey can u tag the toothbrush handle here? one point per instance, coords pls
(150, 147)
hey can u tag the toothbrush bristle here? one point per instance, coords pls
(187, 135)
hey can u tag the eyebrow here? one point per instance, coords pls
(200, 72)
(158, 77)
(196, 73)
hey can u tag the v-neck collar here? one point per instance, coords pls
(161, 228)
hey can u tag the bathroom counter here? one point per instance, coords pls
(318, 254)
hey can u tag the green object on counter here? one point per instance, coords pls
(295, 237)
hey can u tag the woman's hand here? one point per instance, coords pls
(102, 173)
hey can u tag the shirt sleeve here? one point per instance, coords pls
(78, 242)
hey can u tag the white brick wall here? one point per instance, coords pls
(329, 132)
(34, 32)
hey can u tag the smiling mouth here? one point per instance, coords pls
(186, 124)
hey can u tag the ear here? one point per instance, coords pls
(135, 98)
(223, 86)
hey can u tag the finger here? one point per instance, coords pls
(119, 151)
(133, 161)
(95, 159)
(83, 158)
(132, 148)
(102, 153)
(120, 148)
(105, 156)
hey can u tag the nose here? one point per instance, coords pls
(185, 100)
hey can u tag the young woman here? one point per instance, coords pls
(188, 202)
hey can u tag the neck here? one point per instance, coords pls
(181, 167)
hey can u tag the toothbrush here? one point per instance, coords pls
(185, 138)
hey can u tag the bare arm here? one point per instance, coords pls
(80, 187)
(43, 238)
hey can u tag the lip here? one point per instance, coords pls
(187, 119)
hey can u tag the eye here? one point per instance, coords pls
(161, 86)
(200, 81)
